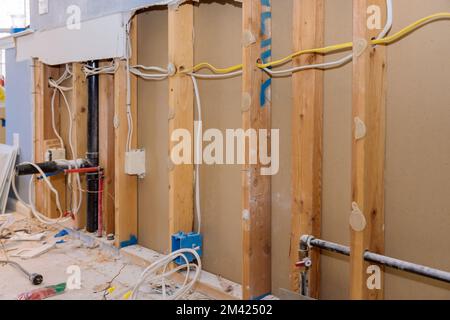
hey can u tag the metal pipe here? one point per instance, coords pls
(82, 170)
(406, 266)
(100, 205)
(93, 149)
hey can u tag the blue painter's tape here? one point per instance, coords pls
(266, 43)
(265, 3)
(261, 297)
(133, 241)
(265, 16)
(266, 85)
(266, 55)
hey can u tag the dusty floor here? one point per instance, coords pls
(98, 268)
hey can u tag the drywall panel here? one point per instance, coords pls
(218, 40)
(336, 196)
(281, 120)
(418, 151)
(153, 133)
(61, 10)
(417, 167)
(417, 172)
(63, 45)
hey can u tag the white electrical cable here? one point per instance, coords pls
(342, 61)
(109, 69)
(139, 71)
(57, 86)
(216, 76)
(128, 102)
(39, 216)
(198, 153)
(161, 75)
(151, 274)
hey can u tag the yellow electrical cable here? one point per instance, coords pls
(205, 65)
(334, 48)
(384, 41)
(412, 27)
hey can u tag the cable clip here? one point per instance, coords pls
(360, 47)
(171, 70)
(357, 219)
(360, 129)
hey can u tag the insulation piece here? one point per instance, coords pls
(357, 219)
(248, 38)
(360, 47)
(360, 129)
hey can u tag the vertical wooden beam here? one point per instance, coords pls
(106, 131)
(79, 131)
(181, 104)
(58, 182)
(307, 137)
(369, 104)
(125, 185)
(256, 188)
(43, 125)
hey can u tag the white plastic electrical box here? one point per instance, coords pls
(55, 154)
(135, 163)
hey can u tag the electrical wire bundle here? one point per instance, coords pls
(108, 69)
(151, 275)
(58, 87)
(382, 39)
(39, 216)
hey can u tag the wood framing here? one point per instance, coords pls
(307, 139)
(256, 188)
(106, 138)
(79, 109)
(43, 126)
(369, 104)
(125, 185)
(181, 116)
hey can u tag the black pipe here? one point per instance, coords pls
(93, 149)
(28, 169)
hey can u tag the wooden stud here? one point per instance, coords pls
(307, 137)
(106, 131)
(256, 188)
(181, 101)
(79, 107)
(369, 112)
(125, 185)
(58, 182)
(43, 130)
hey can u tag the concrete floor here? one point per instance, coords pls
(98, 268)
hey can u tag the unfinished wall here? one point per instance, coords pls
(218, 40)
(153, 133)
(281, 119)
(418, 151)
(417, 166)
(417, 169)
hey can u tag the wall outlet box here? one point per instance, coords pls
(55, 154)
(43, 7)
(192, 241)
(135, 163)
